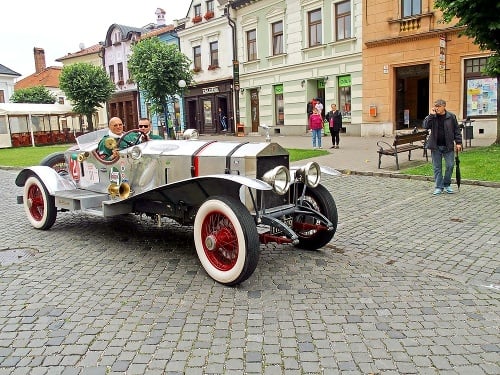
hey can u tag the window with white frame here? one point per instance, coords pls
(315, 26)
(197, 58)
(214, 55)
(411, 7)
(210, 5)
(252, 45)
(197, 10)
(343, 20)
(277, 37)
(112, 73)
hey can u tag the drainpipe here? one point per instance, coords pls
(236, 68)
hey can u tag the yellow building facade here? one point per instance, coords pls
(411, 58)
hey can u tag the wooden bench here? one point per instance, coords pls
(403, 143)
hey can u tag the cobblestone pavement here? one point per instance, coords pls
(410, 284)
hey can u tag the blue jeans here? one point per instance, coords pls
(437, 165)
(316, 136)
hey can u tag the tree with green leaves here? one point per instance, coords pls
(36, 94)
(482, 24)
(157, 67)
(87, 86)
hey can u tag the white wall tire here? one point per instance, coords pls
(39, 205)
(226, 240)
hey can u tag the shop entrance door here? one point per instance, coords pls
(208, 124)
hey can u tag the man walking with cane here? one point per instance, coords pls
(444, 138)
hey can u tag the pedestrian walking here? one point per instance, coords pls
(222, 119)
(445, 137)
(316, 126)
(334, 118)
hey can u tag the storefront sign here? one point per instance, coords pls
(210, 90)
(344, 81)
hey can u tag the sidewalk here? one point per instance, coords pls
(357, 155)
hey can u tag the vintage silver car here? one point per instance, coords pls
(235, 195)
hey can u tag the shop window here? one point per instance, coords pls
(279, 105)
(315, 23)
(343, 20)
(480, 90)
(344, 94)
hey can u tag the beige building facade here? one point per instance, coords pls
(410, 59)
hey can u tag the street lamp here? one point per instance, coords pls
(182, 85)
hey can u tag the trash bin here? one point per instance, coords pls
(240, 130)
(469, 133)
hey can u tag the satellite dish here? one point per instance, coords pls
(81, 46)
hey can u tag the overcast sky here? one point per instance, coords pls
(59, 26)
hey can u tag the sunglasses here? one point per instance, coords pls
(143, 126)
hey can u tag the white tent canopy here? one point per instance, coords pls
(14, 116)
(20, 109)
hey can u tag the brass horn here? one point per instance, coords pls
(122, 190)
(82, 156)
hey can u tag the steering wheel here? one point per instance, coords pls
(141, 137)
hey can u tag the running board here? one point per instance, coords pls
(96, 204)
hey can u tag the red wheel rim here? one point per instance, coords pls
(36, 202)
(220, 241)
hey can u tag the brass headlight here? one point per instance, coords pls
(136, 152)
(279, 179)
(310, 174)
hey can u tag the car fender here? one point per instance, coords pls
(50, 178)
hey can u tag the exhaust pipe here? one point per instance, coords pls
(122, 191)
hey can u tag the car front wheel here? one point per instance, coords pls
(39, 205)
(320, 200)
(226, 240)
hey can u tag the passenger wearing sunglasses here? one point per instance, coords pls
(145, 127)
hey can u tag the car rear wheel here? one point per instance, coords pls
(56, 161)
(226, 240)
(319, 199)
(39, 205)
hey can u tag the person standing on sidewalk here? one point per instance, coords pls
(222, 119)
(334, 118)
(445, 137)
(316, 126)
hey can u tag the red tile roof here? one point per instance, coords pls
(49, 77)
(86, 51)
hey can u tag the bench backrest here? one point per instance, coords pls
(410, 138)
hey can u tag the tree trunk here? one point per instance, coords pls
(90, 122)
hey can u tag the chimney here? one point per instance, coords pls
(39, 59)
(160, 17)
